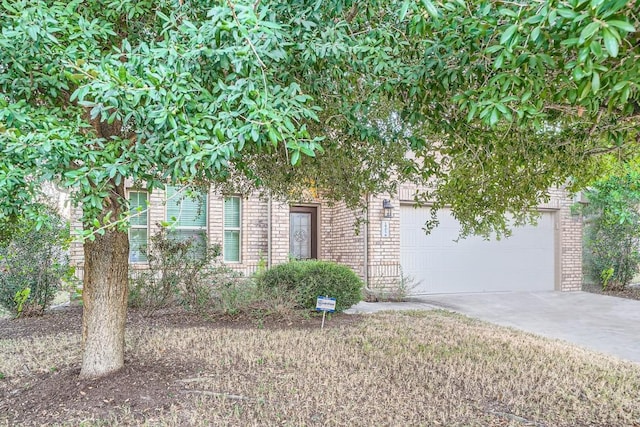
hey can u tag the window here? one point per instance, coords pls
(139, 226)
(231, 243)
(187, 212)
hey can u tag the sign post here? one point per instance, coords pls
(325, 304)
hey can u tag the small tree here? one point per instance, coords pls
(33, 264)
(612, 235)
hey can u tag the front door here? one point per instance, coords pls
(303, 232)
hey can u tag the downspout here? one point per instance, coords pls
(269, 232)
(366, 246)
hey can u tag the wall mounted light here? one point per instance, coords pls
(388, 208)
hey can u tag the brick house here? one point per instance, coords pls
(389, 245)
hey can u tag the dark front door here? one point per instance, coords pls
(303, 226)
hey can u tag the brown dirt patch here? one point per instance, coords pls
(144, 388)
(69, 320)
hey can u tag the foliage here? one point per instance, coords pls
(245, 297)
(20, 299)
(612, 234)
(181, 271)
(7, 229)
(307, 280)
(188, 273)
(605, 276)
(199, 92)
(34, 265)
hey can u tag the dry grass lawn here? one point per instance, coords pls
(412, 368)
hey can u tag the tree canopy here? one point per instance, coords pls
(496, 100)
(198, 91)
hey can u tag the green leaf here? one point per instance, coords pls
(578, 74)
(493, 119)
(610, 42)
(508, 33)
(295, 157)
(535, 33)
(585, 90)
(595, 82)
(566, 13)
(431, 9)
(273, 136)
(588, 32)
(472, 112)
(622, 25)
(404, 9)
(507, 12)
(619, 86)
(33, 32)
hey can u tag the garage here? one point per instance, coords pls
(438, 264)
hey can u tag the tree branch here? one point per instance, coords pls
(352, 13)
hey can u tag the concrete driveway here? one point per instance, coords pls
(606, 324)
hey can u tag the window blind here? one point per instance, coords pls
(187, 211)
(231, 220)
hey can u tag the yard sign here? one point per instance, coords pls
(325, 304)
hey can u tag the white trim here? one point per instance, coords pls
(136, 226)
(238, 228)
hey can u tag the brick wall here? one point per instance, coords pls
(279, 232)
(340, 241)
(569, 247)
(383, 250)
(343, 241)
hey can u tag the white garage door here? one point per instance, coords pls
(438, 264)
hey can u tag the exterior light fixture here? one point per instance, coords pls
(388, 208)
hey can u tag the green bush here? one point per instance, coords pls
(612, 231)
(33, 265)
(611, 254)
(307, 280)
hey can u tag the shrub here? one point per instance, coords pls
(309, 279)
(612, 232)
(183, 272)
(33, 265)
(611, 254)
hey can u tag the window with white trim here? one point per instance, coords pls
(139, 226)
(186, 212)
(232, 229)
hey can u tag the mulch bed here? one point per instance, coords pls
(144, 388)
(630, 292)
(69, 320)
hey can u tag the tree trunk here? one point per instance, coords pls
(104, 297)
